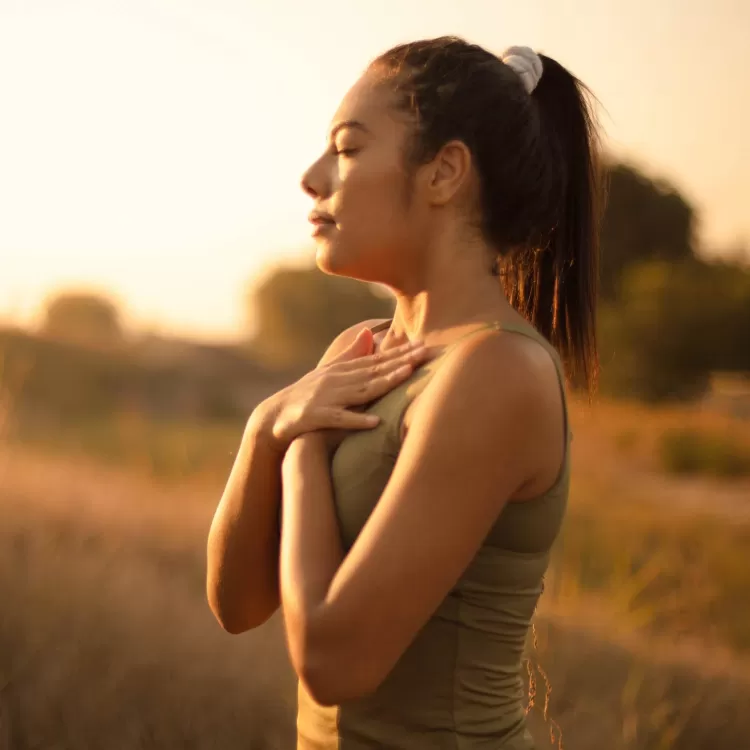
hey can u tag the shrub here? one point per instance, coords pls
(694, 452)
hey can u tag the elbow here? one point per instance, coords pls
(331, 677)
(240, 602)
(332, 688)
(233, 627)
(231, 623)
(231, 620)
(327, 688)
(235, 621)
(323, 685)
(236, 617)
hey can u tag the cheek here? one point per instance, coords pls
(374, 212)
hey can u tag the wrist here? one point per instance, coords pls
(261, 426)
(308, 442)
(305, 445)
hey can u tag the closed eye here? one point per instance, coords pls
(345, 151)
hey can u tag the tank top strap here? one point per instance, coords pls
(528, 330)
(522, 329)
(384, 326)
(424, 375)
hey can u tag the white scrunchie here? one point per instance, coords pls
(526, 63)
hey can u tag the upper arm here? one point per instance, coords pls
(468, 449)
(345, 339)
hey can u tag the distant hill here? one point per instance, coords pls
(162, 376)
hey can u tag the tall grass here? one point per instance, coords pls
(657, 573)
(106, 639)
(642, 638)
(169, 450)
(690, 452)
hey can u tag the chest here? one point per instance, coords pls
(361, 468)
(364, 461)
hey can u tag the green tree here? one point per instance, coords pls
(298, 312)
(645, 220)
(83, 318)
(674, 323)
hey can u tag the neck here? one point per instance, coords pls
(455, 289)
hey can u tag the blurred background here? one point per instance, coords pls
(157, 281)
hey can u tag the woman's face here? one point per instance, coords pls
(366, 220)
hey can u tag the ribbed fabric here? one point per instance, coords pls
(458, 686)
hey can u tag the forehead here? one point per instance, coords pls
(371, 102)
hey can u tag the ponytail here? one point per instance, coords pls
(555, 286)
(529, 127)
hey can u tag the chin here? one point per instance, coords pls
(324, 260)
(331, 260)
(334, 260)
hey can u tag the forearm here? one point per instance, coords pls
(311, 551)
(243, 543)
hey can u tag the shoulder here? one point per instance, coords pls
(346, 337)
(496, 389)
(496, 369)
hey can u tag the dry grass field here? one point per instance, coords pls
(106, 641)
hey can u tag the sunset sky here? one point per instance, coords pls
(153, 148)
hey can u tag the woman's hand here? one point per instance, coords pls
(324, 398)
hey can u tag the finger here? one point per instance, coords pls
(366, 390)
(411, 350)
(342, 419)
(359, 376)
(414, 354)
(361, 346)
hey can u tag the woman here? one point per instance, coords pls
(416, 531)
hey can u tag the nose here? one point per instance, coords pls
(306, 185)
(313, 181)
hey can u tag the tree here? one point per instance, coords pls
(298, 312)
(83, 318)
(645, 220)
(674, 324)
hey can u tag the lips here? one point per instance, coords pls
(320, 218)
(322, 223)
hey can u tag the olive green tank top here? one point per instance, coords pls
(458, 686)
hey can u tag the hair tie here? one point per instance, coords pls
(526, 63)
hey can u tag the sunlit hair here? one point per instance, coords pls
(537, 160)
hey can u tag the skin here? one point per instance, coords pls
(487, 430)
(243, 543)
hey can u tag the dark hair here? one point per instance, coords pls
(537, 161)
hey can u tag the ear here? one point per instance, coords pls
(449, 171)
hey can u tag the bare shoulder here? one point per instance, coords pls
(497, 369)
(498, 389)
(346, 337)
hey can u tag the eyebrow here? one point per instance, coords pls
(347, 124)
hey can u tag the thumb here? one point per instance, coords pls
(363, 343)
(361, 346)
